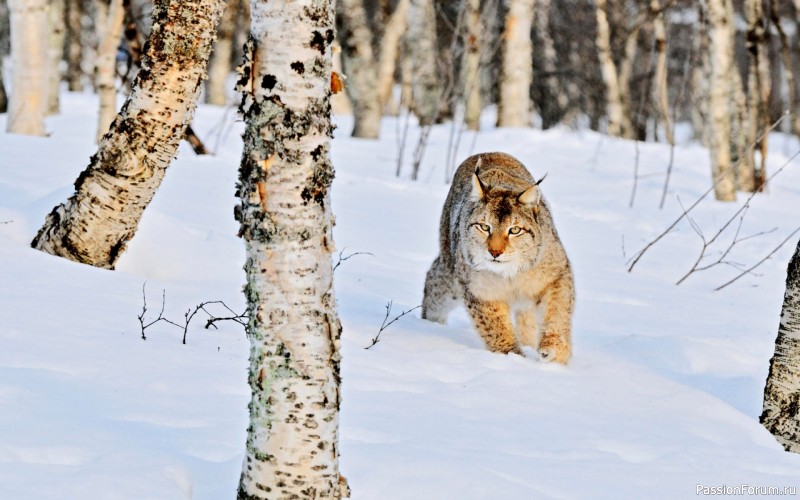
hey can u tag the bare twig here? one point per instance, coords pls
(6, 222)
(188, 316)
(638, 255)
(343, 257)
(751, 268)
(386, 325)
(144, 310)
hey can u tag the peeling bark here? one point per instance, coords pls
(95, 224)
(781, 414)
(29, 30)
(286, 223)
(516, 71)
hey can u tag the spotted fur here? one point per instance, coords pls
(501, 257)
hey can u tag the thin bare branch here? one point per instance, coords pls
(750, 269)
(386, 325)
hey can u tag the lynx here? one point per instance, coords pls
(500, 255)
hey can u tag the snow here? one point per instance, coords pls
(663, 392)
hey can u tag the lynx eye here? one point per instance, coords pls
(514, 230)
(484, 227)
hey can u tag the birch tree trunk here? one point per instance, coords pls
(219, 67)
(55, 53)
(420, 53)
(95, 224)
(471, 66)
(29, 29)
(720, 31)
(516, 66)
(358, 63)
(758, 85)
(109, 33)
(286, 223)
(781, 414)
(393, 32)
(74, 49)
(619, 124)
(661, 94)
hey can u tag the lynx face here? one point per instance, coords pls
(502, 232)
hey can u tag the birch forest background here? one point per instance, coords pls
(159, 158)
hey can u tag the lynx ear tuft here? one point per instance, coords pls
(531, 196)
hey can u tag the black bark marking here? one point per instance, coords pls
(318, 42)
(298, 67)
(268, 82)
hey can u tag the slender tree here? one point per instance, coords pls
(74, 47)
(360, 66)
(95, 224)
(617, 109)
(393, 31)
(55, 53)
(758, 86)
(781, 415)
(420, 67)
(720, 32)
(471, 66)
(29, 30)
(110, 32)
(219, 67)
(661, 90)
(286, 223)
(514, 104)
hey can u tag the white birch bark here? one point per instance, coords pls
(661, 90)
(29, 30)
(393, 32)
(470, 67)
(3, 95)
(720, 31)
(94, 225)
(109, 34)
(420, 52)
(286, 223)
(781, 414)
(219, 67)
(360, 67)
(55, 53)
(619, 124)
(516, 66)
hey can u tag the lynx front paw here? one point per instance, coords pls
(554, 349)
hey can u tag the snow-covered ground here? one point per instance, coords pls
(662, 395)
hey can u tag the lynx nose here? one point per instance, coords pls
(495, 252)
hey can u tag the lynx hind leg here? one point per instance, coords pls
(493, 322)
(527, 327)
(440, 297)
